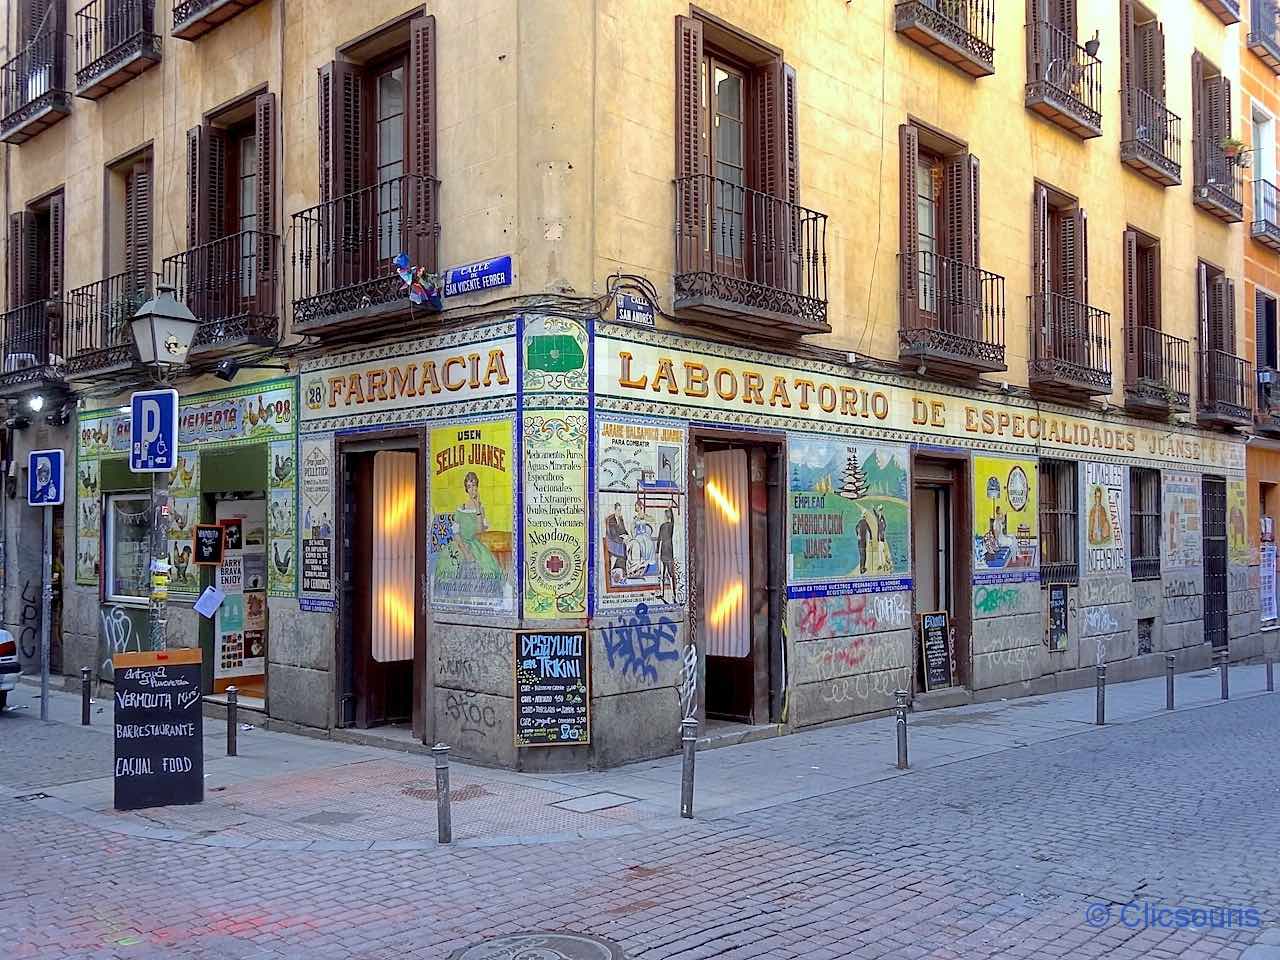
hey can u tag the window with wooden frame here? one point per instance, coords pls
(36, 244)
(1060, 246)
(939, 198)
(1143, 63)
(1216, 301)
(1059, 522)
(1211, 128)
(229, 268)
(377, 134)
(737, 155)
(1142, 305)
(1264, 316)
(1144, 534)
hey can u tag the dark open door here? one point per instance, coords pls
(1214, 499)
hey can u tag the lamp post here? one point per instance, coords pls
(162, 330)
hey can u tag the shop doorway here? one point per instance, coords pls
(383, 635)
(1214, 497)
(240, 623)
(940, 539)
(739, 553)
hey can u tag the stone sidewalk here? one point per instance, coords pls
(285, 792)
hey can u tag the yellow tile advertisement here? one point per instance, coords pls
(1006, 536)
(472, 543)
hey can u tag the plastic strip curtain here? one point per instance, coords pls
(728, 613)
(394, 557)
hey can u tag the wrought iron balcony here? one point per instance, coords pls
(1152, 138)
(343, 275)
(115, 41)
(1157, 372)
(1268, 418)
(1264, 34)
(1228, 11)
(749, 261)
(31, 347)
(951, 315)
(1219, 187)
(1070, 347)
(1265, 226)
(195, 18)
(961, 32)
(231, 284)
(33, 85)
(1226, 389)
(96, 331)
(1064, 81)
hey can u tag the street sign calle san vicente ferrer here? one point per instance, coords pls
(153, 431)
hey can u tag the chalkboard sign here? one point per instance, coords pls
(552, 692)
(935, 643)
(159, 729)
(1058, 617)
(209, 538)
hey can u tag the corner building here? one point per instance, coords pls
(768, 358)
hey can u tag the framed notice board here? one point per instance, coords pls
(1059, 618)
(208, 541)
(552, 688)
(935, 647)
(159, 729)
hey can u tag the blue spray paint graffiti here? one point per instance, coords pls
(637, 644)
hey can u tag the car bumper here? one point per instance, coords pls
(9, 673)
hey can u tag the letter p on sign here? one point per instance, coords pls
(153, 431)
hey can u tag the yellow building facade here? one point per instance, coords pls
(788, 355)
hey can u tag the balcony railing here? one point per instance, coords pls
(1226, 389)
(33, 85)
(1152, 140)
(1264, 34)
(1228, 11)
(1268, 419)
(231, 285)
(115, 41)
(1219, 187)
(96, 332)
(1070, 346)
(749, 259)
(343, 251)
(1064, 83)
(31, 345)
(951, 314)
(1158, 372)
(1265, 226)
(194, 18)
(961, 32)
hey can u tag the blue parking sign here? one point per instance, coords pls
(44, 478)
(153, 431)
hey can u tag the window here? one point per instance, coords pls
(1144, 534)
(1142, 53)
(1059, 520)
(35, 252)
(1148, 354)
(1264, 312)
(128, 548)
(1060, 233)
(939, 229)
(388, 159)
(1211, 124)
(1216, 300)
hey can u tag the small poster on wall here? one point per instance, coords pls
(209, 538)
(935, 647)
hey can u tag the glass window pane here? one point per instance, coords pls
(728, 147)
(129, 548)
(728, 94)
(390, 141)
(391, 94)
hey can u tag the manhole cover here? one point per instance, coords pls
(543, 946)
(426, 790)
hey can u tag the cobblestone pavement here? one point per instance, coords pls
(996, 856)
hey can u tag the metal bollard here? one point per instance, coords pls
(1221, 657)
(689, 746)
(1102, 694)
(84, 696)
(1271, 677)
(900, 698)
(444, 816)
(1170, 661)
(232, 697)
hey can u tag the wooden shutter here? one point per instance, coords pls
(57, 205)
(1152, 310)
(266, 139)
(1260, 330)
(1198, 131)
(1217, 110)
(972, 206)
(137, 221)
(422, 218)
(1128, 71)
(791, 139)
(1202, 305)
(1077, 278)
(690, 144)
(1132, 321)
(206, 184)
(1149, 57)
(908, 224)
(1063, 13)
(1227, 309)
(341, 118)
(1039, 240)
(21, 228)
